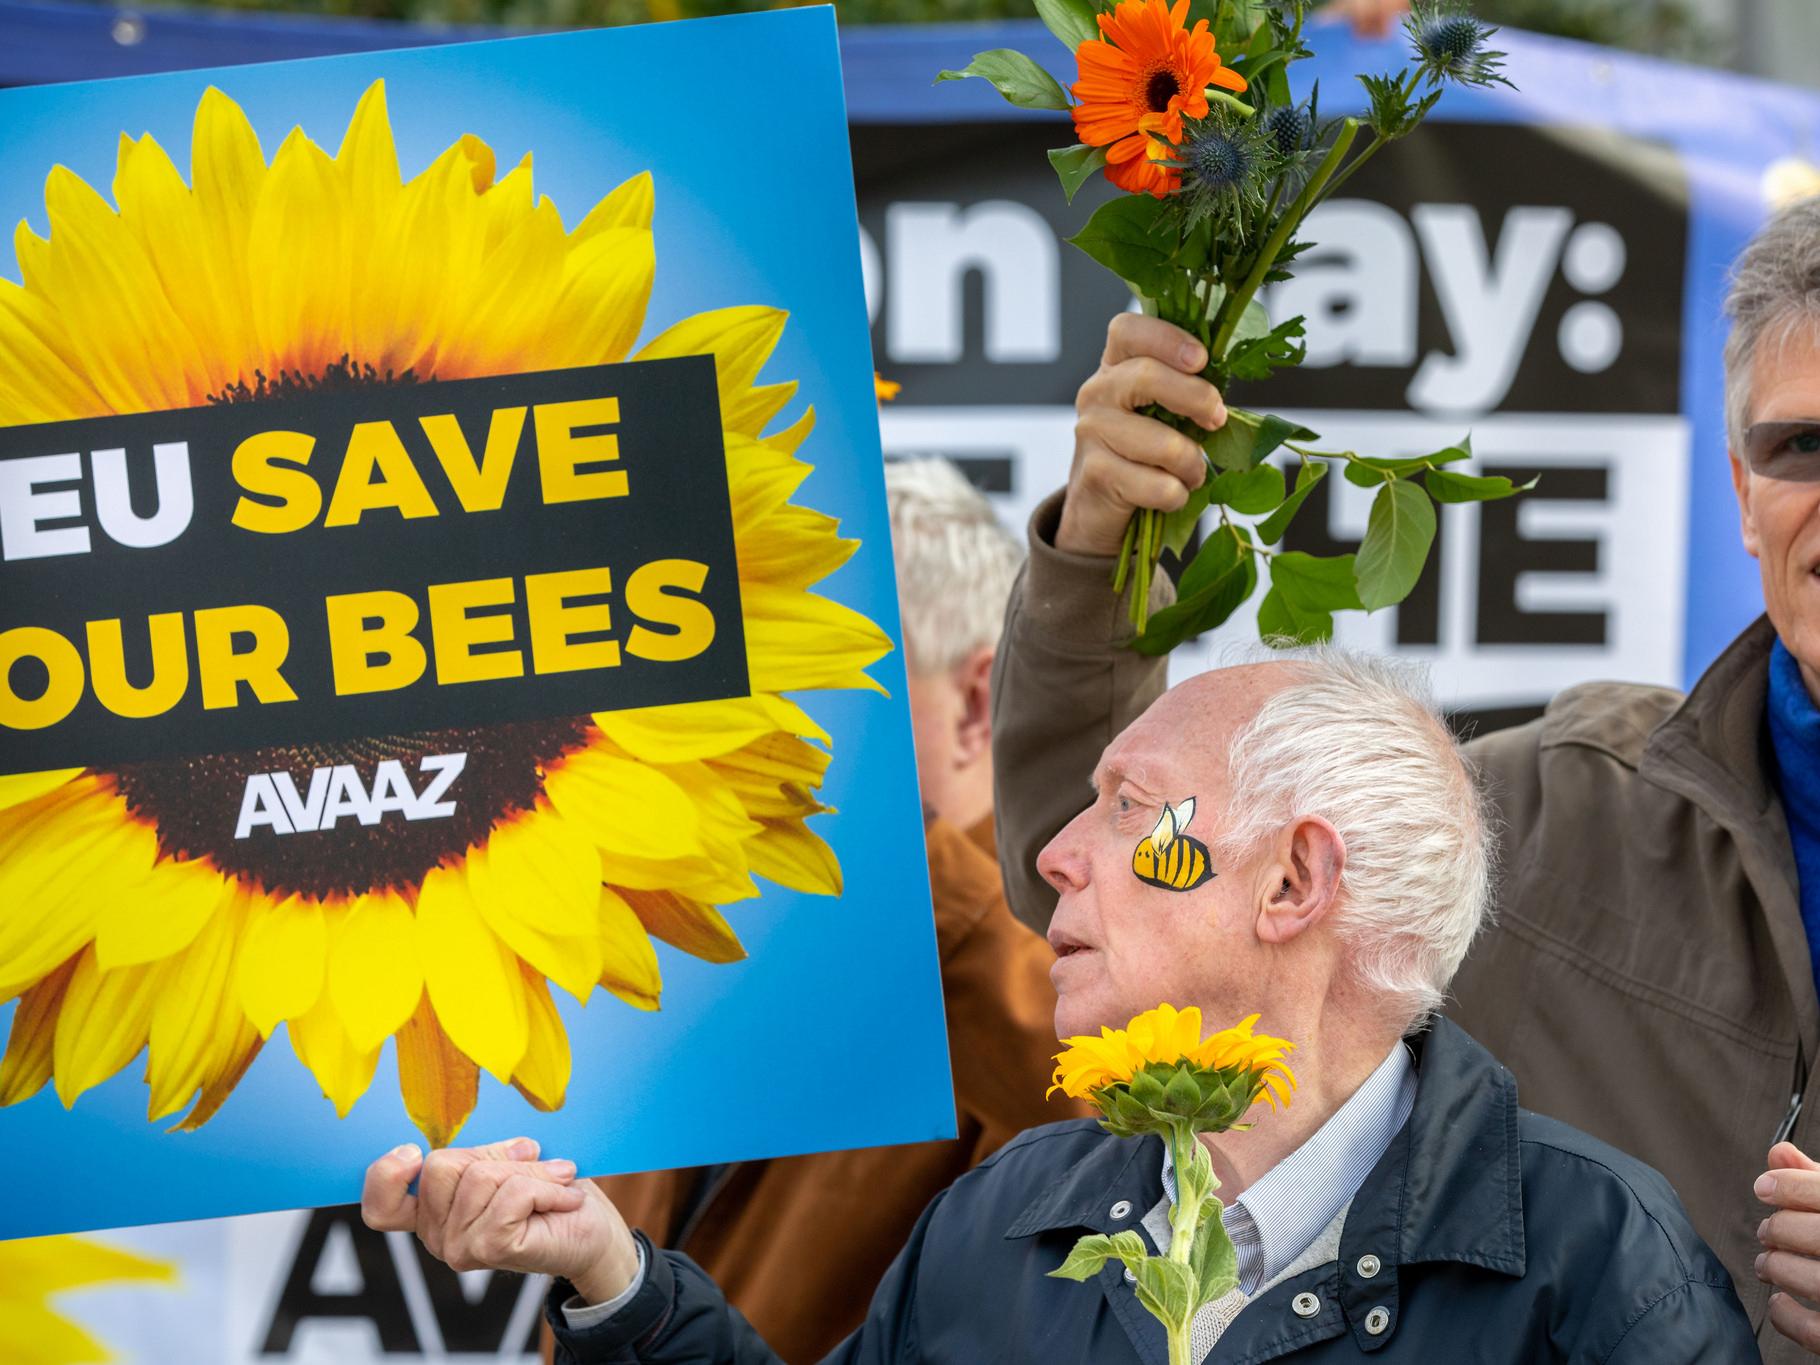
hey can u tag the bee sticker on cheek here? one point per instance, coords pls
(1171, 859)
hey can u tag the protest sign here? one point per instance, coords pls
(434, 600)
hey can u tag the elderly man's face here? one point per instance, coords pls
(1124, 945)
(1781, 517)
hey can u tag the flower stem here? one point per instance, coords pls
(1310, 195)
(1123, 567)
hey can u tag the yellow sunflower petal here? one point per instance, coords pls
(797, 640)
(760, 480)
(740, 340)
(368, 158)
(542, 1076)
(135, 349)
(38, 382)
(629, 206)
(793, 547)
(791, 854)
(103, 1023)
(790, 439)
(281, 962)
(751, 411)
(536, 884)
(31, 1334)
(22, 787)
(702, 729)
(159, 916)
(503, 323)
(607, 287)
(27, 1064)
(697, 929)
(439, 1082)
(62, 858)
(197, 1020)
(631, 970)
(165, 216)
(49, 1265)
(622, 805)
(227, 171)
(471, 977)
(222, 1073)
(301, 316)
(342, 1070)
(374, 975)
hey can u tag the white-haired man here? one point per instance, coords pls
(1402, 1206)
(1651, 974)
(761, 1228)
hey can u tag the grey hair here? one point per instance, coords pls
(955, 563)
(1358, 741)
(1775, 291)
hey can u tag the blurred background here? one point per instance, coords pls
(1543, 267)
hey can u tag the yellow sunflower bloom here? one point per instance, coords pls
(128, 923)
(1166, 1037)
(32, 1270)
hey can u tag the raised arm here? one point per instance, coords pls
(1064, 682)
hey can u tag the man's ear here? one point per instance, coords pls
(1303, 881)
(1747, 524)
(973, 726)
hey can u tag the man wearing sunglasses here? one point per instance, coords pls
(1651, 975)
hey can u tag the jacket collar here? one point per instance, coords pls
(1449, 1187)
(1714, 752)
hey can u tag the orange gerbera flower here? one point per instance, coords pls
(1139, 79)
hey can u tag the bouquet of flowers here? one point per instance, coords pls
(1158, 1075)
(1193, 117)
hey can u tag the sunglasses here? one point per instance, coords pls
(1784, 450)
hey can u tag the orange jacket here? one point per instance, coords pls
(800, 1243)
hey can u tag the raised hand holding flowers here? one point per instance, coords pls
(1158, 1075)
(1187, 108)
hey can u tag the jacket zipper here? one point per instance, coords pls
(1787, 1126)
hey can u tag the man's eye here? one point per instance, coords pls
(1805, 443)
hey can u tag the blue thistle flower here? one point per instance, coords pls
(1219, 161)
(1451, 41)
(1288, 127)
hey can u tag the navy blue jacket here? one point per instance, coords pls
(1500, 1236)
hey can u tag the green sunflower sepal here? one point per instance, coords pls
(1161, 1096)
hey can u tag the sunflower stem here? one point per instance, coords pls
(1123, 567)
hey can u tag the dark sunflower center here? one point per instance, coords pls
(1160, 89)
(194, 804)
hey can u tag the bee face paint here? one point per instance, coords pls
(1170, 859)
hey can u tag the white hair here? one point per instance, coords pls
(1357, 740)
(1775, 292)
(955, 563)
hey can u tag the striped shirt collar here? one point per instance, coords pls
(1286, 1208)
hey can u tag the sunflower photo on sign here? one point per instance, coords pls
(442, 604)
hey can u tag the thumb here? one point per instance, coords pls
(1785, 1156)
(513, 1149)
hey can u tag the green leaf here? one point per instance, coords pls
(1272, 432)
(1124, 236)
(1325, 583)
(1075, 165)
(1281, 619)
(1166, 1288)
(1256, 356)
(1073, 22)
(1147, 1088)
(1253, 322)
(1444, 485)
(1397, 536)
(1088, 1258)
(1021, 81)
(1211, 593)
(1214, 1263)
(1271, 529)
(1250, 491)
(1230, 447)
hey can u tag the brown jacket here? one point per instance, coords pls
(1648, 977)
(800, 1243)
